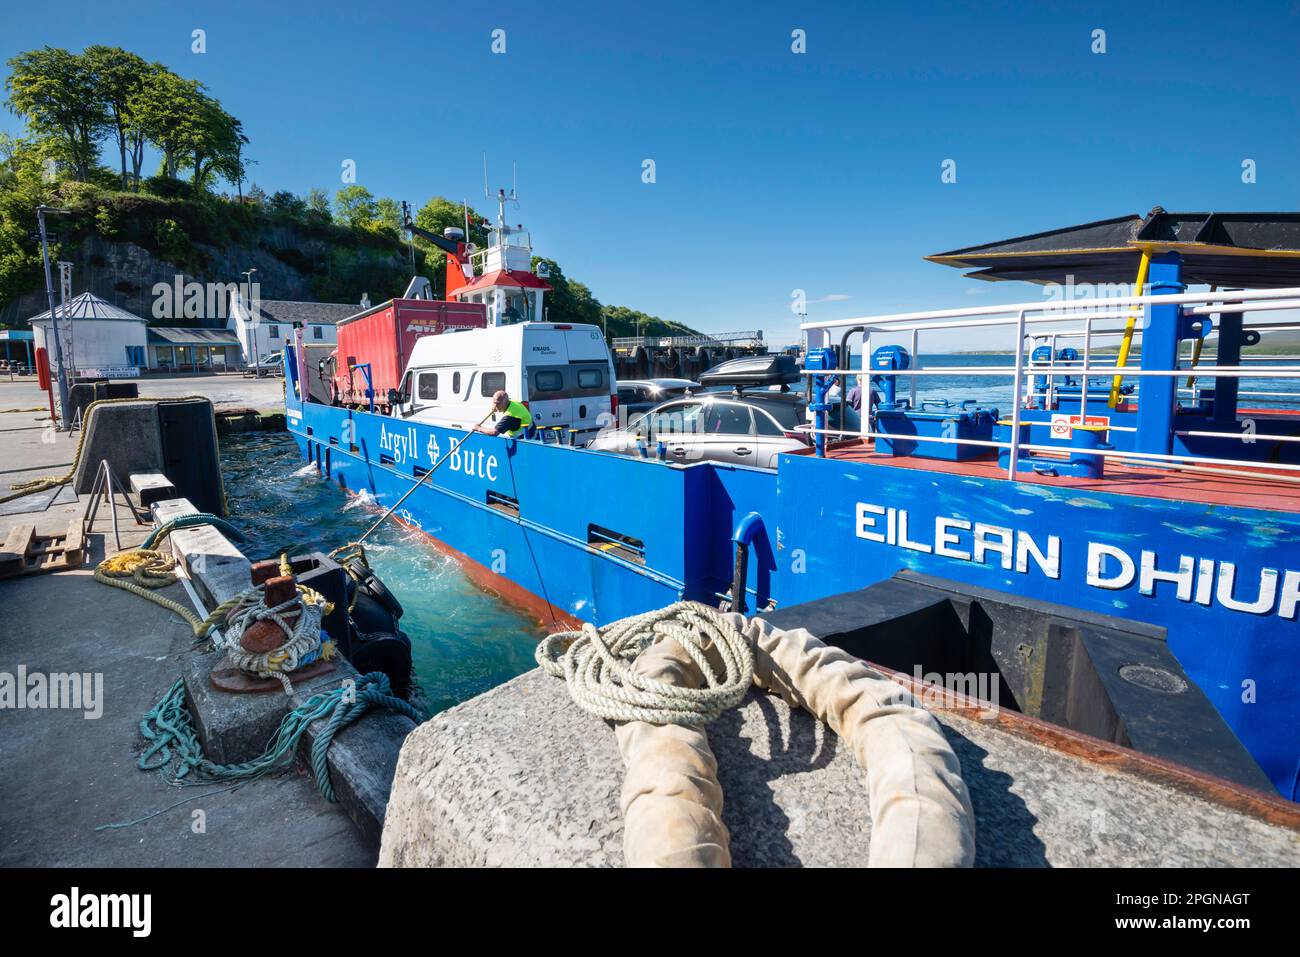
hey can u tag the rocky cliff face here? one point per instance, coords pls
(125, 274)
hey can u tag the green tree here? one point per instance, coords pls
(167, 108)
(569, 300)
(355, 206)
(438, 214)
(118, 75)
(318, 203)
(283, 201)
(55, 92)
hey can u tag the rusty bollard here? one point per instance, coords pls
(266, 635)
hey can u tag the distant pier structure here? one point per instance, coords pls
(681, 357)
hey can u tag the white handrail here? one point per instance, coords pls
(1109, 302)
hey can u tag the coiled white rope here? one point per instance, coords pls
(596, 666)
(304, 637)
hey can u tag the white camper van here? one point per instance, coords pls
(563, 373)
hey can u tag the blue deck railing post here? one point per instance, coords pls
(1155, 418)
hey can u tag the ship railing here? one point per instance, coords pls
(1022, 316)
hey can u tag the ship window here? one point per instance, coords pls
(428, 388)
(492, 382)
(548, 380)
(455, 383)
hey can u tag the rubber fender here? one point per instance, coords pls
(368, 615)
(370, 584)
(389, 652)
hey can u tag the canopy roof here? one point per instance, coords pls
(1251, 250)
(89, 306)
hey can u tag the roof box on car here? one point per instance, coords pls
(753, 371)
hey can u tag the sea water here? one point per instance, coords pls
(463, 639)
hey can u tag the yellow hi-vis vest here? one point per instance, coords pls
(520, 412)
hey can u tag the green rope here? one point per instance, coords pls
(175, 752)
(185, 521)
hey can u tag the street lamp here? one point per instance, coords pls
(41, 212)
(252, 317)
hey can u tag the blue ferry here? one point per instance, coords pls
(1157, 484)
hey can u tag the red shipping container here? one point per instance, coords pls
(384, 336)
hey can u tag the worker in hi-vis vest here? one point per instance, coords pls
(515, 419)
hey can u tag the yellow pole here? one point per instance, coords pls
(1127, 342)
(1196, 349)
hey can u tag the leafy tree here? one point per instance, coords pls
(216, 140)
(168, 108)
(55, 92)
(569, 300)
(355, 206)
(117, 76)
(318, 204)
(283, 201)
(388, 217)
(438, 214)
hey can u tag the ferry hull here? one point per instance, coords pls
(830, 526)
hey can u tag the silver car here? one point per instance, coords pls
(751, 429)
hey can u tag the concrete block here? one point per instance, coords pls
(520, 776)
(127, 435)
(234, 728)
(150, 487)
(217, 568)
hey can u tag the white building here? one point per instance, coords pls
(99, 340)
(266, 326)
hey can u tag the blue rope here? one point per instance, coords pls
(185, 521)
(175, 752)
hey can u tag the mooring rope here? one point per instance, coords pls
(186, 521)
(175, 752)
(304, 636)
(596, 666)
(31, 487)
(141, 570)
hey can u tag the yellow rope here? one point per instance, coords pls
(141, 570)
(38, 408)
(21, 489)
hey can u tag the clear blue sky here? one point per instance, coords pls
(775, 171)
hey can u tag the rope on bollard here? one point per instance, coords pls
(596, 666)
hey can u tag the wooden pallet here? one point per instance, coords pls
(26, 553)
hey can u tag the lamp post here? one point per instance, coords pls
(252, 316)
(41, 210)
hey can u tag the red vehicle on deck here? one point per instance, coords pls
(379, 341)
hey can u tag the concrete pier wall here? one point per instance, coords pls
(520, 776)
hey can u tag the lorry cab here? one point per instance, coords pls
(563, 373)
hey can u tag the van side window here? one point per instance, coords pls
(548, 380)
(491, 383)
(455, 383)
(591, 378)
(428, 385)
